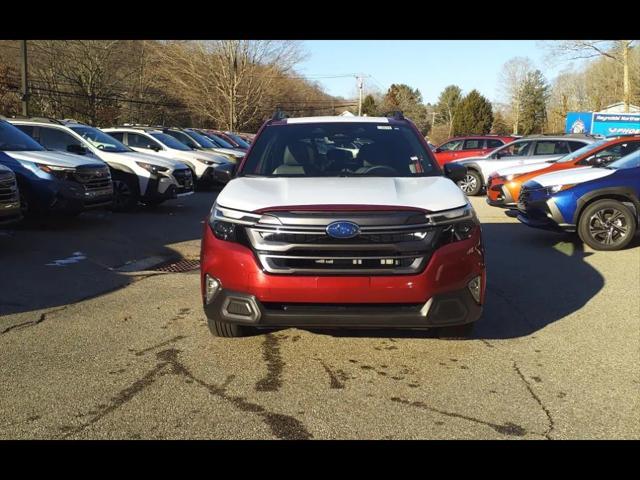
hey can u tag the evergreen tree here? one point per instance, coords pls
(500, 126)
(533, 107)
(369, 106)
(446, 106)
(473, 115)
(409, 101)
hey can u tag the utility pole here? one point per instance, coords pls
(25, 84)
(360, 85)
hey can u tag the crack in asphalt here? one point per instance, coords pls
(31, 323)
(551, 426)
(273, 358)
(507, 428)
(45, 315)
(282, 426)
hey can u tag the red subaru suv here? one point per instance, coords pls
(471, 146)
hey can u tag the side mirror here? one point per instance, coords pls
(455, 171)
(155, 148)
(77, 149)
(496, 155)
(224, 172)
(438, 150)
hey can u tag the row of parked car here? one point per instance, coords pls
(569, 183)
(64, 166)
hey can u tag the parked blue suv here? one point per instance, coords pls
(53, 181)
(601, 203)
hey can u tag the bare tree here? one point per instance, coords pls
(618, 51)
(227, 80)
(511, 82)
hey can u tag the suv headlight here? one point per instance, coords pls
(559, 188)
(154, 169)
(206, 161)
(226, 223)
(56, 171)
(457, 224)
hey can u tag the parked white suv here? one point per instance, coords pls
(197, 141)
(524, 151)
(136, 176)
(154, 141)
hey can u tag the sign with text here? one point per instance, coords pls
(615, 124)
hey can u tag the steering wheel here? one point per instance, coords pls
(381, 168)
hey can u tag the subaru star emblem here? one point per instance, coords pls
(343, 229)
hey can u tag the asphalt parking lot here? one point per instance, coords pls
(92, 346)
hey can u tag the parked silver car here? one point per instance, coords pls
(526, 150)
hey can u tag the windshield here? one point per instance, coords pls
(12, 139)
(169, 141)
(581, 151)
(101, 140)
(202, 140)
(630, 161)
(221, 142)
(339, 149)
(238, 140)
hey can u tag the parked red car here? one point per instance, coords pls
(471, 146)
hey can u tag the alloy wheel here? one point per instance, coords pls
(608, 226)
(468, 184)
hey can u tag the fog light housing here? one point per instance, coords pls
(212, 287)
(475, 287)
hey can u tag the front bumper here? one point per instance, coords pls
(439, 295)
(499, 195)
(453, 308)
(69, 197)
(540, 211)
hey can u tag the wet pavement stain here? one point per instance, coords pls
(507, 428)
(175, 339)
(336, 379)
(282, 426)
(275, 365)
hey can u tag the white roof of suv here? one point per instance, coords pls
(337, 119)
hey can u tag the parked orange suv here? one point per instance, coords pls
(503, 186)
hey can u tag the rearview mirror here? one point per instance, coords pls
(77, 149)
(224, 172)
(455, 171)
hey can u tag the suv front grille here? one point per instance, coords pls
(96, 181)
(389, 243)
(184, 179)
(8, 190)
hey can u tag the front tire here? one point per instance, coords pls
(125, 193)
(607, 225)
(228, 330)
(471, 184)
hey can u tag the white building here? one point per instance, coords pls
(619, 108)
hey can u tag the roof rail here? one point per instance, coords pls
(37, 119)
(279, 115)
(396, 115)
(72, 120)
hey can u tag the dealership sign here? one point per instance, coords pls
(615, 124)
(579, 122)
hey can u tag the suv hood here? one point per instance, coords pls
(58, 159)
(427, 193)
(230, 151)
(194, 154)
(141, 157)
(519, 169)
(573, 175)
